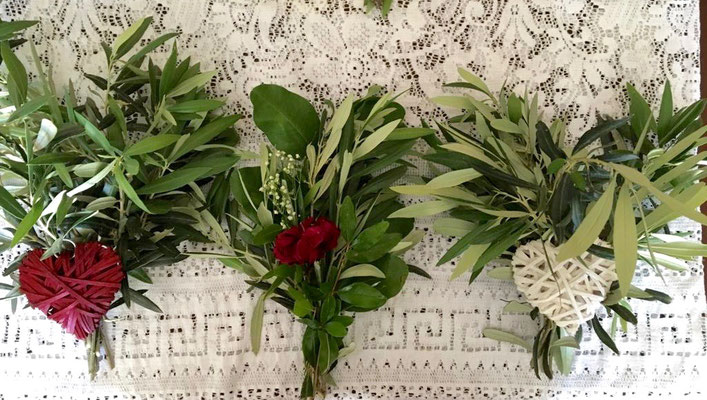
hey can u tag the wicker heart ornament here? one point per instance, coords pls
(75, 288)
(568, 293)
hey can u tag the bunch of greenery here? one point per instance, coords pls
(512, 180)
(124, 167)
(339, 169)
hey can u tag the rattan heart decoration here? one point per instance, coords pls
(75, 288)
(569, 296)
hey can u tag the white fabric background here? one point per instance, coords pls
(426, 343)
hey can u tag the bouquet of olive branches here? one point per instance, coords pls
(567, 224)
(102, 191)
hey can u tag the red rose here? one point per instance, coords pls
(307, 242)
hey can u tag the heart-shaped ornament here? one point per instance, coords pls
(568, 293)
(75, 288)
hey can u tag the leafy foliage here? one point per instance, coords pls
(512, 179)
(123, 167)
(340, 166)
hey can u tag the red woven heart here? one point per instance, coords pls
(74, 290)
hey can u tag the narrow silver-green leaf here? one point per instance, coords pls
(625, 240)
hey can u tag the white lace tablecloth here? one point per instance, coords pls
(426, 343)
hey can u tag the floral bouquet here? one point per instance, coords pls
(310, 224)
(566, 224)
(105, 190)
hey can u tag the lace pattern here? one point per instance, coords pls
(426, 343)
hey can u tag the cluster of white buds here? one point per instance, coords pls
(290, 164)
(281, 197)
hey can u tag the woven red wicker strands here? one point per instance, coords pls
(75, 288)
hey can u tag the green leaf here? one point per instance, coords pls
(151, 144)
(505, 125)
(9, 28)
(507, 337)
(128, 189)
(362, 270)
(424, 209)
(309, 345)
(588, 231)
(625, 240)
(126, 40)
(362, 295)
(205, 134)
(603, 336)
(452, 226)
(172, 181)
(502, 273)
(96, 135)
(598, 131)
(328, 351)
(28, 108)
(288, 120)
(347, 219)
(409, 133)
(516, 307)
(666, 110)
(267, 234)
(192, 83)
(335, 329)
(195, 106)
(17, 75)
(641, 114)
(380, 248)
(10, 205)
(555, 165)
(640, 179)
(374, 139)
(474, 80)
(151, 46)
(53, 158)
(396, 273)
(96, 176)
(256, 322)
(27, 222)
(140, 299)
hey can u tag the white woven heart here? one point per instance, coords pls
(572, 294)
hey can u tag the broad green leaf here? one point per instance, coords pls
(151, 144)
(335, 329)
(625, 240)
(128, 189)
(507, 337)
(27, 222)
(374, 139)
(96, 135)
(454, 178)
(640, 179)
(396, 273)
(287, 119)
(362, 270)
(424, 209)
(461, 102)
(328, 351)
(362, 295)
(196, 81)
(588, 231)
